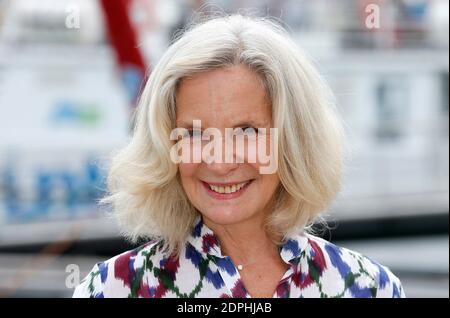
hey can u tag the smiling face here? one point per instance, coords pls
(233, 97)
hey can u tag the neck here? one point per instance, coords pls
(244, 241)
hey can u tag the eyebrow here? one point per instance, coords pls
(251, 123)
(247, 123)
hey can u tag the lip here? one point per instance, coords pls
(226, 196)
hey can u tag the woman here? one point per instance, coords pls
(227, 228)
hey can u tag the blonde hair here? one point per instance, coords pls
(145, 190)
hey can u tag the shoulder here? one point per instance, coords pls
(121, 275)
(347, 273)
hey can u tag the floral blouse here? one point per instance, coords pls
(317, 268)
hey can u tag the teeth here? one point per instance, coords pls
(228, 189)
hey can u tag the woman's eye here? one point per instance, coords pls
(249, 130)
(193, 133)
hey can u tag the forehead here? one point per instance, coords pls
(223, 97)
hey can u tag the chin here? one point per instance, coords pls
(226, 216)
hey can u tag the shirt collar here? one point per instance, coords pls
(203, 239)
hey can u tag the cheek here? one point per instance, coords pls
(187, 169)
(268, 183)
(188, 172)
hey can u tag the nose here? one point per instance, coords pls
(221, 169)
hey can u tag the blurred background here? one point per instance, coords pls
(70, 73)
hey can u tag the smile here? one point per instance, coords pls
(226, 191)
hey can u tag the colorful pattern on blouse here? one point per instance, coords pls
(317, 268)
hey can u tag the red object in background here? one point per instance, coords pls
(123, 38)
